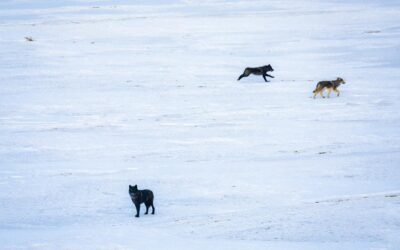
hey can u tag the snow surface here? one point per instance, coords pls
(118, 92)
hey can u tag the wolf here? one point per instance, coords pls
(330, 85)
(263, 70)
(141, 196)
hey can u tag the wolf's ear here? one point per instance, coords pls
(130, 186)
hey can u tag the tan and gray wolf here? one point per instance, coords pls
(330, 85)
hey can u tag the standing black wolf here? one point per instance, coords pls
(141, 196)
(263, 70)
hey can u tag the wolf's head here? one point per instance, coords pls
(340, 80)
(269, 67)
(133, 189)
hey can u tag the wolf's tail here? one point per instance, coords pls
(316, 88)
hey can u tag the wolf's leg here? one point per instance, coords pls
(337, 91)
(137, 210)
(269, 75)
(329, 92)
(265, 79)
(147, 208)
(152, 207)
(241, 76)
(246, 73)
(321, 92)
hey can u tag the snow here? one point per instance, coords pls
(116, 92)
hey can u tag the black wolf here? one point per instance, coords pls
(263, 70)
(141, 196)
(330, 85)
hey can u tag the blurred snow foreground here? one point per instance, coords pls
(110, 93)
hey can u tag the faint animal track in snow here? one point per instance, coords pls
(372, 31)
(390, 194)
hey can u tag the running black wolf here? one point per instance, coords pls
(141, 196)
(263, 70)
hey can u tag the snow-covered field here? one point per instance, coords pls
(118, 92)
